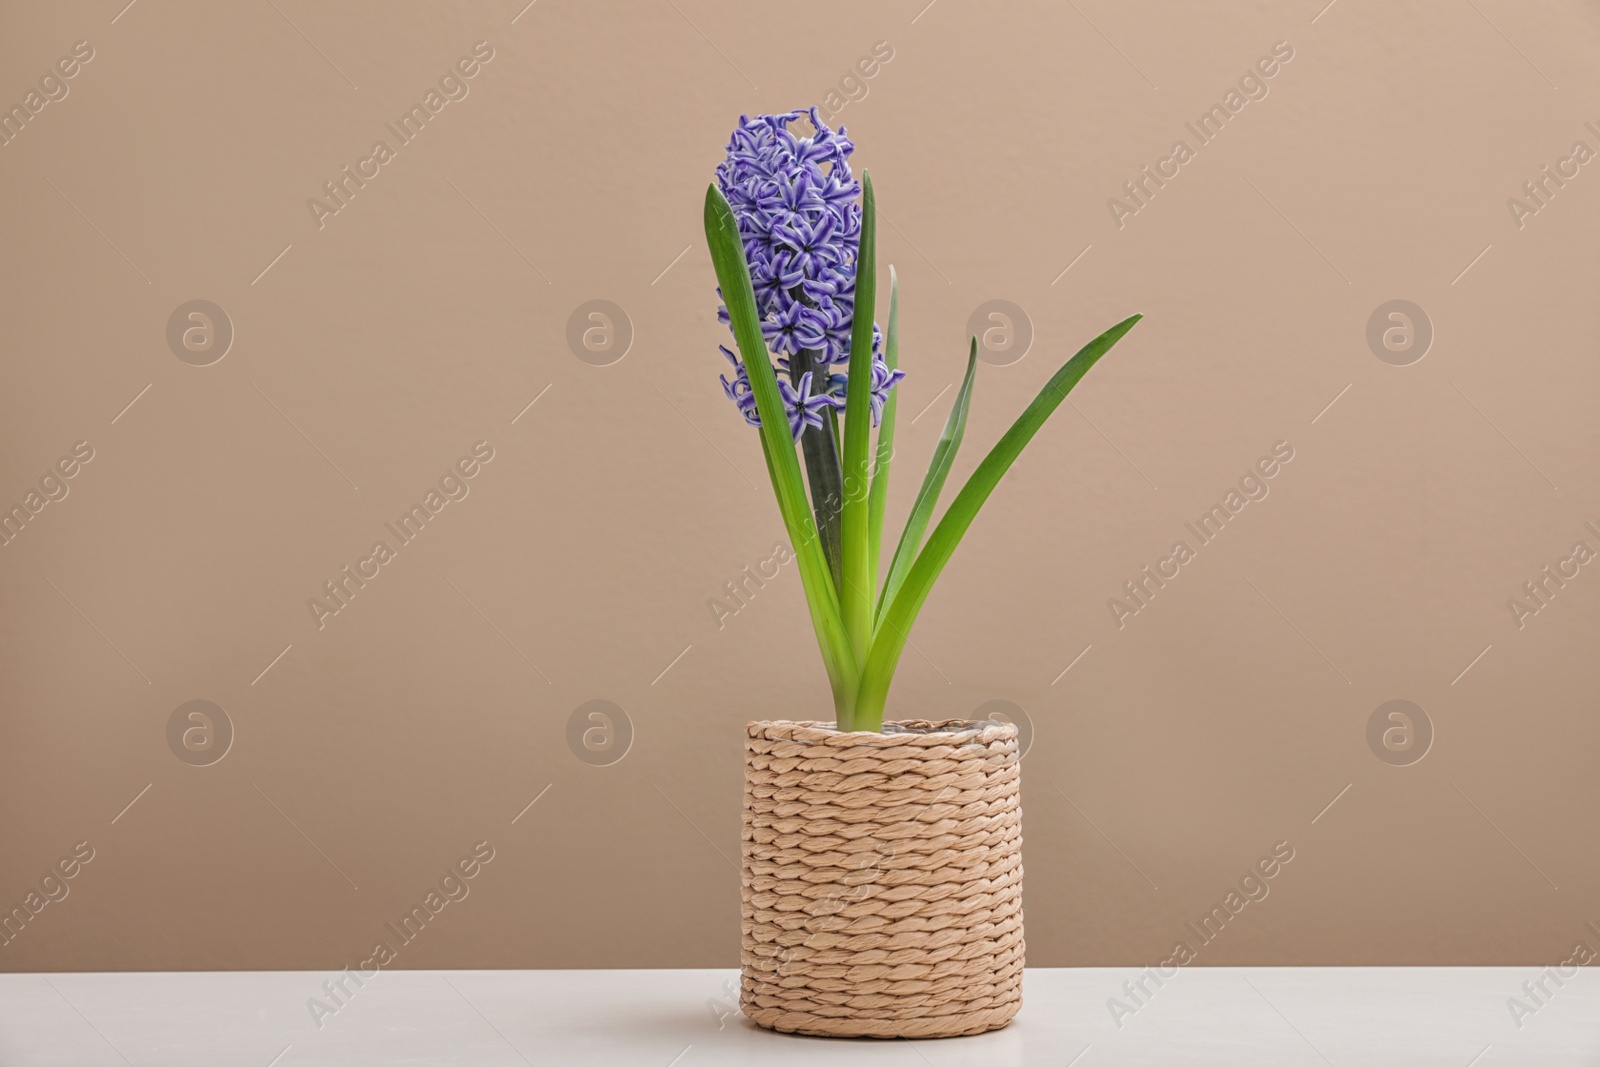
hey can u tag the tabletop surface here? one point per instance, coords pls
(1453, 1017)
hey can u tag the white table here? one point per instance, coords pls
(1353, 1016)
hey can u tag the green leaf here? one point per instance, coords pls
(878, 670)
(944, 457)
(733, 275)
(878, 498)
(855, 595)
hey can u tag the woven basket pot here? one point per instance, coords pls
(882, 878)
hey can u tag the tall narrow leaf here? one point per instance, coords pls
(878, 669)
(855, 595)
(733, 275)
(944, 457)
(878, 498)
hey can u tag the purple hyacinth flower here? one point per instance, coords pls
(804, 409)
(797, 205)
(794, 327)
(740, 391)
(883, 380)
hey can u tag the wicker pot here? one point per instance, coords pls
(882, 879)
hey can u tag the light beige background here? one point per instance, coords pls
(431, 310)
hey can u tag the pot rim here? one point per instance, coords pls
(895, 731)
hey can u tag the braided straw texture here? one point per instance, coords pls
(882, 879)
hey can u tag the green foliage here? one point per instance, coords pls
(862, 630)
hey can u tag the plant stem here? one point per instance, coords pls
(821, 451)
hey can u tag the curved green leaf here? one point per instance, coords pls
(855, 594)
(878, 670)
(777, 444)
(878, 498)
(944, 457)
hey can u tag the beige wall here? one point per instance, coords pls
(426, 314)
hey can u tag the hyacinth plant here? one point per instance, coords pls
(793, 238)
